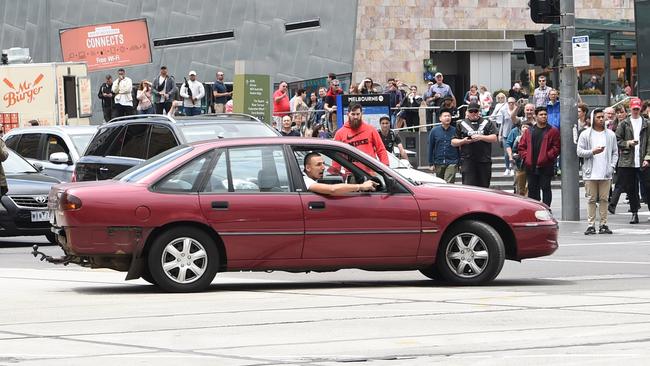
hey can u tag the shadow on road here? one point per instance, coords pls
(128, 288)
(24, 242)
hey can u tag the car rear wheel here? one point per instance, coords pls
(183, 259)
(471, 253)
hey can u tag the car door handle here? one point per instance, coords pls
(316, 205)
(219, 205)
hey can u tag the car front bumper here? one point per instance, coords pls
(536, 239)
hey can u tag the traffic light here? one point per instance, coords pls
(545, 11)
(544, 47)
(5, 59)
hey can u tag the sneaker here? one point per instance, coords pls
(507, 172)
(512, 172)
(604, 230)
(590, 230)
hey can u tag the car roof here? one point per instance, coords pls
(296, 141)
(70, 130)
(183, 120)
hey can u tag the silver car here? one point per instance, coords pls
(55, 148)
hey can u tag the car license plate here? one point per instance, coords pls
(39, 216)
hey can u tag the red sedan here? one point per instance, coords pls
(243, 204)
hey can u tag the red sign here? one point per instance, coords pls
(107, 46)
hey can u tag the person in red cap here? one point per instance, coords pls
(632, 140)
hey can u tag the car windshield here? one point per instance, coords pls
(209, 131)
(81, 141)
(15, 164)
(142, 170)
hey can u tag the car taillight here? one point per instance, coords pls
(69, 202)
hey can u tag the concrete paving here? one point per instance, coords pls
(587, 304)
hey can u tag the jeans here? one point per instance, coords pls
(162, 108)
(540, 181)
(192, 111)
(505, 153)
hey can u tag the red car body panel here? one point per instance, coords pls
(262, 231)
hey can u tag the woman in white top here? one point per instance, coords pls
(145, 103)
(485, 99)
(501, 116)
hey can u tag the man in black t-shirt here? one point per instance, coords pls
(106, 95)
(475, 136)
(390, 138)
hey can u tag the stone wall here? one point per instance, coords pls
(392, 36)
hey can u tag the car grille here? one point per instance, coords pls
(39, 201)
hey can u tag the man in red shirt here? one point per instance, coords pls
(281, 105)
(361, 135)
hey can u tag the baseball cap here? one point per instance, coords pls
(438, 74)
(635, 103)
(192, 73)
(516, 86)
(473, 107)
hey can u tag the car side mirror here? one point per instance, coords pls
(59, 158)
(38, 166)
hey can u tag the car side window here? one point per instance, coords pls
(55, 144)
(12, 141)
(341, 167)
(134, 145)
(160, 139)
(252, 169)
(28, 146)
(185, 178)
(105, 138)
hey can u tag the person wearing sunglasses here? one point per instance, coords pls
(475, 136)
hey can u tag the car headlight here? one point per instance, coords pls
(543, 215)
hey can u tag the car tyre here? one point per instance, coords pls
(51, 237)
(183, 259)
(470, 253)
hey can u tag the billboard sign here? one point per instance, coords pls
(374, 107)
(107, 46)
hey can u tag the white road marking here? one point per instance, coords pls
(596, 277)
(586, 261)
(639, 242)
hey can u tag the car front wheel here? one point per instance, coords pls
(471, 253)
(183, 259)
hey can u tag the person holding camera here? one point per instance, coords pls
(475, 136)
(631, 137)
(598, 148)
(411, 103)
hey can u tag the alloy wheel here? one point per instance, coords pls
(467, 255)
(184, 260)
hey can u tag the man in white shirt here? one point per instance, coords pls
(122, 89)
(314, 168)
(192, 93)
(597, 146)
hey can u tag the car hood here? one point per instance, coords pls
(417, 175)
(30, 184)
(460, 193)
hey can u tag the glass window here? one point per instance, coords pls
(80, 142)
(218, 181)
(208, 131)
(17, 165)
(134, 145)
(149, 166)
(105, 138)
(161, 139)
(28, 146)
(12, 141)
(340, 167)
(185, 179)
(253, 169)
(55, 144)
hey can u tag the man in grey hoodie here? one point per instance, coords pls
(597, 146)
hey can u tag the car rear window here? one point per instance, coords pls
(102, 140)
(209, 131)
(81, 141)
(147, 167)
